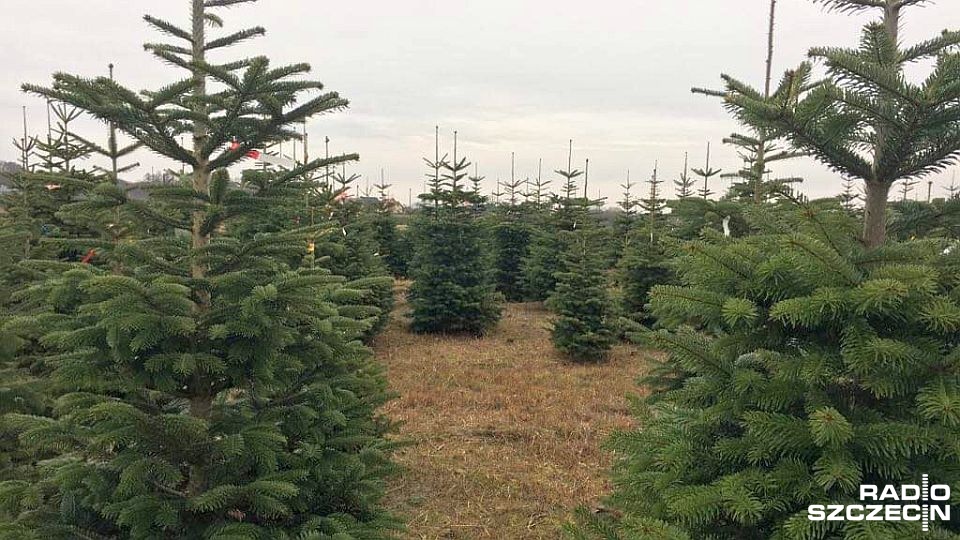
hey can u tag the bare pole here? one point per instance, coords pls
(586, 179)
(306, 154)
(326, 144)
(770, 43)
(454, 186)
(761, 163)
(24, 152)
(112, 142)
(49, 123)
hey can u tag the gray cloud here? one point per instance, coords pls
(510, 75)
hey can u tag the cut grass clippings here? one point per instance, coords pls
(505, 433)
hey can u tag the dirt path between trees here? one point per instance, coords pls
(506, 435)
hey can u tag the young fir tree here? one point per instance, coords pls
(854, 120)
(807, 367)
(645, 262)
(684, 184)
(849, 197)
(453, 289)
(583, 325)
(953, 190)
(510, 239)
(653, 206)
(394, 249)
(706, 173)
(213, 390)
(355, 251)
(760, 148)
(568, 212)
(626, 221)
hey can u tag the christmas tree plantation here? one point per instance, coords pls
(210, 379)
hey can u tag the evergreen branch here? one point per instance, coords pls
(235, 38)
(849, 6)
(168, 28)
(225, 3)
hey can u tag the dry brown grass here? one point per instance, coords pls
(506, 434)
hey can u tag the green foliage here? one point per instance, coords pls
(583, 328)
(807, 365)
(542, 264)
(511, 245)
(642, 267)
(867, 120)
(453, 289)
(207, 378)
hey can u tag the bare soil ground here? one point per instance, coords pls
(506, 434)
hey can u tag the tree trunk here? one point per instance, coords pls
(878, 190)
(875, 213)
(201, 174)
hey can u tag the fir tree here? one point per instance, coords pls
(394, 248)
(540, 194)
(355, 253)
(511, 240)
(643, 266)
(853, 121)
(684, 184)
(759, 148)
(453, 289)
(546, 251)
(626, 221)
(806, 368)
(653, 205)
(953, 190)
(583, 326)
(706, 173)
(849, 197)
(214, 390)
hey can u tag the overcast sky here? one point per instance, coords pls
(518, 76)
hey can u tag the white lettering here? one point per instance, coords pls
(911, 512)
(940, 492)
(855, 516)
(939, 513)
(816, 513)
(910, 493)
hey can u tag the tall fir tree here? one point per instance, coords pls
(453, 289)
(212, 388)
(760, 147)
(854, 120)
